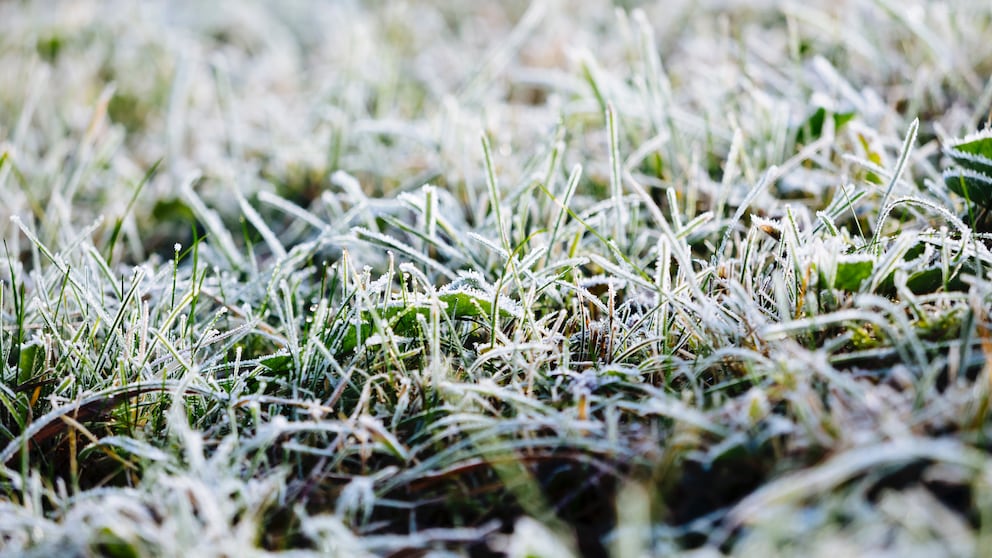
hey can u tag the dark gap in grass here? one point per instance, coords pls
(702, 489)
(581, 495)
(957, 497)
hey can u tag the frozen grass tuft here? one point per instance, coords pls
(532, 279)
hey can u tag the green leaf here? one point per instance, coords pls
(173, 210)
(812, 128)
(970, 184)
(109, 543)
(925, 281)
(850, 274)
(128, 110)
(279, 362)
(48, 48)
(18, 407)
(928, 280)
(872, 156)
(30, 361)
(973, 152)
(932, 279)
(466, 298)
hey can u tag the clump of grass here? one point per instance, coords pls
(522, 279)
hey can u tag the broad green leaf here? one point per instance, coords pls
(970, 184)
(466, 298)
(279, 362)
(851, 273)
(173, 210)
(30, 361)
(932, 279)
(926, 281)
(974, 152)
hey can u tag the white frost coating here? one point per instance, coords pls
(468, 279)
(973, 158)
(603, 280)
(985, 133)
(473, 284)
(968, 173)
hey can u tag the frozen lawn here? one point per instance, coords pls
(549, 278)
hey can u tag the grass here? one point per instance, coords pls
(411, 278)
